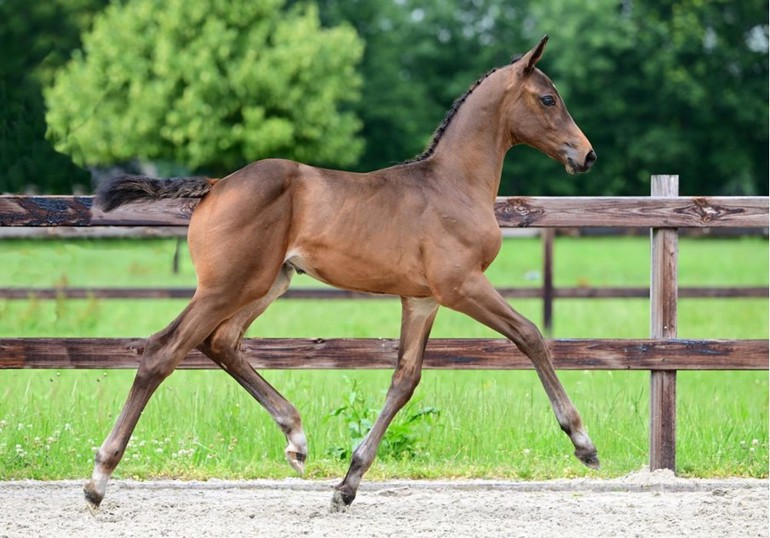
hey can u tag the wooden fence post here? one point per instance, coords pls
(664, 247)
(548, 234)
(175, 260)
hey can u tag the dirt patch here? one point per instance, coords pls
(641, 504)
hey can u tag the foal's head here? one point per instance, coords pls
(538, 117)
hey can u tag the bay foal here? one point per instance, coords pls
(424, 230)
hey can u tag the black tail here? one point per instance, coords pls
(124, 189)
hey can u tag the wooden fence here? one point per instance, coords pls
(547, 292)
(34, 214)
(662, 354)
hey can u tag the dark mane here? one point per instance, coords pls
(441, 129)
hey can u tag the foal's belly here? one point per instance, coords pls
(357, 273)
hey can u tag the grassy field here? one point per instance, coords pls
(470, 424)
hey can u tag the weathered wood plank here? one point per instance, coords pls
(335, 294)
(663, 419)
(632, 212)
(685, 292)
(664, 244)
(751, 292)
(174, 293)
(142, 232)
(161, 212)
(543, 212)
(45, 210)
(548, 290)
(457, 354)
(94, 232)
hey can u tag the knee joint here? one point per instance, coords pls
(154, 370)
(223, 341)
(156, 362)
(528, 335)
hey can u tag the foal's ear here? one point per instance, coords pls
(533, 56)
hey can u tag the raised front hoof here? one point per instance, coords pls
(590, 458)
(296, 460)
(93, 497)
(341, 501)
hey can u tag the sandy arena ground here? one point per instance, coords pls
(641, 504)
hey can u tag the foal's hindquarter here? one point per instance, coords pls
(424, 231)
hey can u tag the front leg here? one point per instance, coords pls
(416, 321)
(477, 298)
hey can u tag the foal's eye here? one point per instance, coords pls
(548, 100)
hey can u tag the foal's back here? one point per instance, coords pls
(365, 232)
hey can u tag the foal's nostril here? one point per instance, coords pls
(590, 159)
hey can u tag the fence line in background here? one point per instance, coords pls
(662, 354)
(755, 292)
(547, 292)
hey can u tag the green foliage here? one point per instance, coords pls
(421, 56)
(35, 38)
(408, 437)
(27, 159)
(665, 87)
(212, 84)
(404, 438)
(675, 86)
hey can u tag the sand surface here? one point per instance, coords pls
(641, 504)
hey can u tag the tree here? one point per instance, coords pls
(666, 86)
(420, 56)
(211, 84)
(35, 38)
(662, 86)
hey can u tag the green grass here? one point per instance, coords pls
(491, 424)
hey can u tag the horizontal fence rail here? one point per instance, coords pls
(373, 353)
(749, 292)
(511, 212)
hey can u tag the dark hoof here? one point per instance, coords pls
(92, 497)
(589, 458)
(341, 501)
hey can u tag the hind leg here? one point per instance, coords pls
(162, 353)
(223, 347)
(237, 239)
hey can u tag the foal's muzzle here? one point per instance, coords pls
(590, 160)
(585, 166)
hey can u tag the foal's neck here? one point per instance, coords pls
(472, 149)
